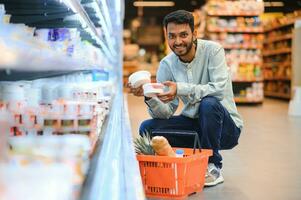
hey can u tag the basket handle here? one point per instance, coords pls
(196, 142)
(172, 134)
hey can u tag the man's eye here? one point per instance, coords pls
(171, 36)
(184, 35)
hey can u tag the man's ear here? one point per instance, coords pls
(165, 32)
(194, 34)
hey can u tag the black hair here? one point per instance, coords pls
(179, 17)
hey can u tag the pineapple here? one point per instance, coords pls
(143, 144)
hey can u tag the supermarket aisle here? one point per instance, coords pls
(266, 164)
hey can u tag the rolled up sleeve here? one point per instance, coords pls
(156, 108)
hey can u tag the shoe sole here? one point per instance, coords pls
(219, 180)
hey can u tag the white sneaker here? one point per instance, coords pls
(213, 175)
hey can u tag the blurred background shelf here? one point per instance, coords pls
(235, 30)
(241, 46)
(277, 64)
(277, 94)
(248, 80)
(247, 100)
(233, 13)
(279, 38)
(278, 55)
(277, 51)
(278, 79)
(238, 29)
(279, 25)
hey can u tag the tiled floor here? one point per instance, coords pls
(267, 163)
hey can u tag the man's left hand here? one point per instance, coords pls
(170, 95)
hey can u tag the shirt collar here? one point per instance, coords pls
(187, 64)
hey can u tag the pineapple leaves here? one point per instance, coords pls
(143, 144)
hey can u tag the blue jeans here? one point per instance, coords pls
(215, 127)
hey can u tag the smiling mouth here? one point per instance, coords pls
(179, 47)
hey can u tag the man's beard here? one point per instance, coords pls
(187, 49)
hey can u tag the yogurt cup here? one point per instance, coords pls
(153, 89)
(139, 78)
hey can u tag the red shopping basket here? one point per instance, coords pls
(172, 177)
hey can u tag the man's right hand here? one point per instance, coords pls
(136, 91)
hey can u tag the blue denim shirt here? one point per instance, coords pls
(206, 75)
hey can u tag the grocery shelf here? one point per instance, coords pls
(114, 172)
(278, 59)
(89, 180)
(97, 15)
(278, 38)
(16, 75)
(34, 59)
(244, 62)
(226, 13)
(277, 94)
(278, 79)
(276, 52)
(62, 14)
(234, 8)
(85, 17)
(278, 64)
(287, 23)
(247, 100)
(235, 30)
(237, 27)
(247, 80)
(242, 46)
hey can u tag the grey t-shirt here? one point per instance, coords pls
(206, 75)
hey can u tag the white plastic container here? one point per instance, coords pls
(12, 92)
(48, 94)
(86, 109)
(13, 95)
(179, 153)
(139, 78)
(81, 142)
(52, 182)
(65, 91)
(28, 120)
(33, 97)
(4, 133)
(153, 89)
(70, 108)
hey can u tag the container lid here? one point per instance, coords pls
(179, 151)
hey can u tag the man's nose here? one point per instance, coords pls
(178, 41)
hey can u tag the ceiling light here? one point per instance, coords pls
(154, 3)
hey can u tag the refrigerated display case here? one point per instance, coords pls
(64, 56)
